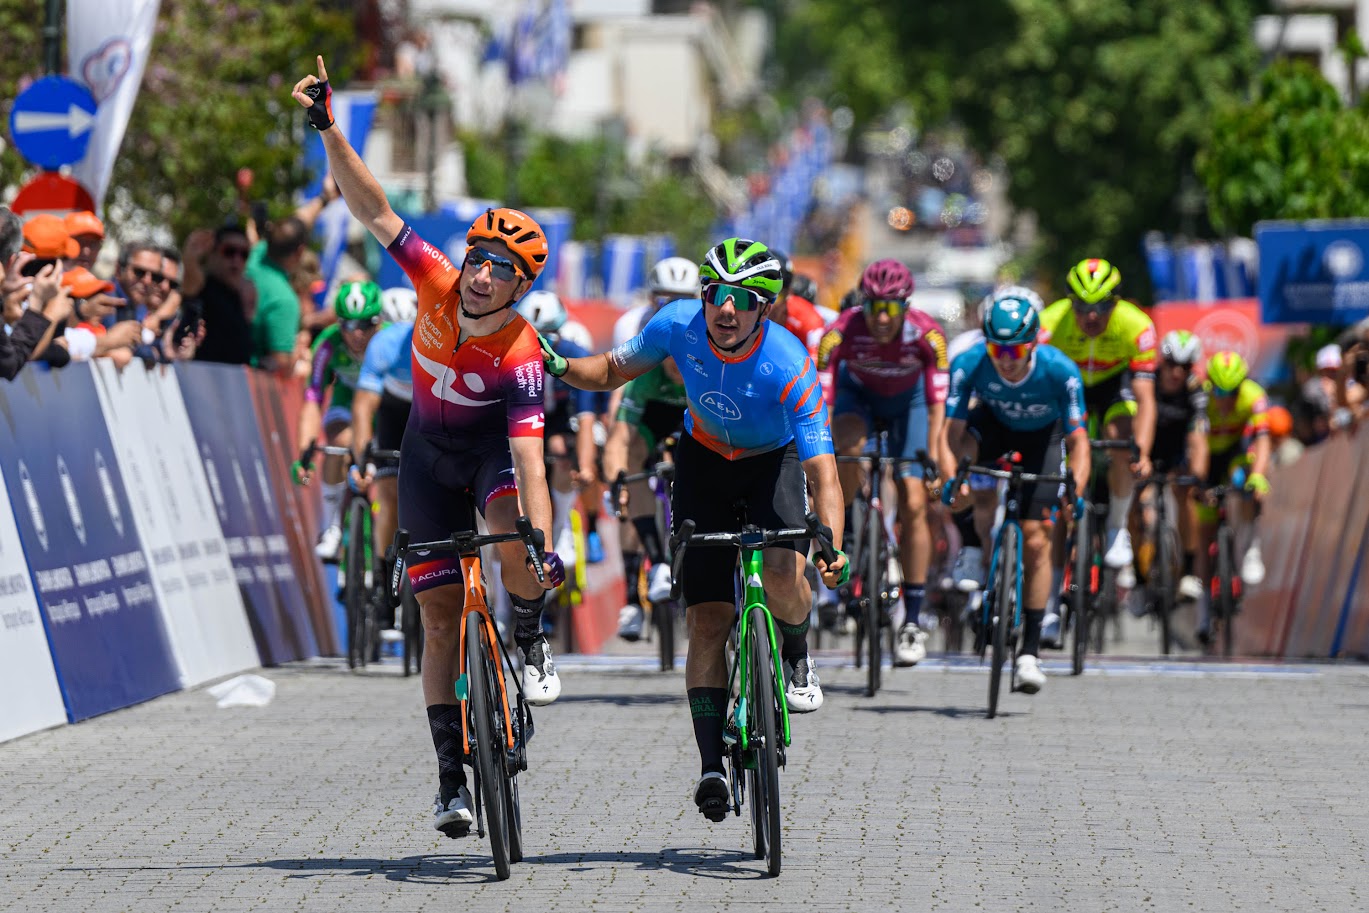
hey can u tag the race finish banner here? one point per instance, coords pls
(104, 625)
(204, 616)
(219, 403)
(1314, 272)
(25, 660)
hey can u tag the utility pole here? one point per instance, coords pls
(52, 38)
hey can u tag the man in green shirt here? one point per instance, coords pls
(278, 314)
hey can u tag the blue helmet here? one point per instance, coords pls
(1011, 320)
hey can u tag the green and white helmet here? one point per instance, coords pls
(750, 264)
(358, 301)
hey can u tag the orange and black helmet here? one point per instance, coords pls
(519, 231)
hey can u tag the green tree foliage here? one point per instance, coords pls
(1292, 151)
(1096, 106)
(215, 98)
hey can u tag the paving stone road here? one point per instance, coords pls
(1140, 787)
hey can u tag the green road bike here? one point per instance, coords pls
(757, 729)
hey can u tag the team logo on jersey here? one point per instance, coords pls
(767, 368)
(691, 337)
(750, 391)
(719, 404)
(444, 383)
(697, 365)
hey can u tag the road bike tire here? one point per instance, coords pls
(411, 623)
(874, 606)
(1166, 552)
(488, 748)
(663, 613)
(514, 812)
(766, 725)
(1004, 610)
(1079, 593)
(1106, 607)
(857, 557)
(1226, 586)
(354, 585)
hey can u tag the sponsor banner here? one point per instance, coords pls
(25, 660)
(278, 405)
(1232, 326)
(201, 608)
(1314, 272)
(218, 402)
(99, 604)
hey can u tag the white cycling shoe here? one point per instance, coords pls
(912, 646)
(329, 541)
(454, 817)
(1252, 566)
(1030, 678)
(969, 569)
(1190, 588)
(659, 583)
(630, 620)
(1119, 554)
(541, 684)
(802, 691)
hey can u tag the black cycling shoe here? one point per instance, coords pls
(711, 795)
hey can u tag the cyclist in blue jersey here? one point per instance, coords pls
(1030, 400)
(756, 428)
(384, 393)
(570, 417)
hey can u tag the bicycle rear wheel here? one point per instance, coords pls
(1079, 593)
(1226, 586)
(355, 596)
(488, 749)
(1166, 553)
(874, 606)
(663, 613)
(411, 623)
(764, 739)
(1004, 609)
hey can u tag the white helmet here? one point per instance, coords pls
(1011, 291)
(675, 276)
(543, 310)
(1181, 347)
(399, 305)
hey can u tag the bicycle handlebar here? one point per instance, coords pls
(662, 470)
(463, 543)
(749, 538)
(1166, 478)
(1013, 476)
(372, 453)
(920, 457)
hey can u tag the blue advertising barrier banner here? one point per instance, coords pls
(99, 606)
(1313, 272)
(219, 404)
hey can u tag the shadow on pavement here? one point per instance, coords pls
(474, 869)
(954, 713)
(728, 865)
(622, 700)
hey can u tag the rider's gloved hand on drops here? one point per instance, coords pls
(554, 570)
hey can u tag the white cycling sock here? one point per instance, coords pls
(1118, 511)
(332, 503)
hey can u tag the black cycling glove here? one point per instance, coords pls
(321, 112)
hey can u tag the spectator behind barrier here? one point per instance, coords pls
(278, 312)
(217, 293)
(88, 232)
(32, 306)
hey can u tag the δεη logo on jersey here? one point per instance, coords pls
(719, 404)
(767, 368)
(691, 337)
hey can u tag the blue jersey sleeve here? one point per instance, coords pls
(382, 352)
(962, 382)
(801, 398)
(651, 346)
(1070, 383)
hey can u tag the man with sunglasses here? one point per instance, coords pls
(1030, 401)
(216, 288)
(756, 430)
(886, 360)
(336, 366)
(474, 432)
(1113, 343)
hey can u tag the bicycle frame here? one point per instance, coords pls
(473, 576)
(990, 592)
(753, 600)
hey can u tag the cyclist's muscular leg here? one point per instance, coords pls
(334, 467)
(440, 608)
(526, 593)
(1119, 467)
(915, 544)
(706, 678)
(1036, 571)
(387, 515)
(849, 435)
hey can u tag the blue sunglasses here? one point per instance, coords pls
(500, 267)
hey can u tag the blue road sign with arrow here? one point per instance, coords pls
(51, 120)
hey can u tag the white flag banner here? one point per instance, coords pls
(108, 43)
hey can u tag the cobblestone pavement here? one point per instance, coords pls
(1165, 787)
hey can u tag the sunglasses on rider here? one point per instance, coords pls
(743, 298)
(1101, 307)
(894, 307)
(501, 268)
(1009, 351)
(358, 326)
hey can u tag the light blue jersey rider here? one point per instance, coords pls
(733, 402)
(1052, 391)
(387, 367)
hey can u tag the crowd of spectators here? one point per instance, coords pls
(248, 292)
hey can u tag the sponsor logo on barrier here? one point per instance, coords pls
(1343, 259)
(102, 603)
(111, 500)
(215, 489)
(1228, 330)
(55, 580)
(63, 612)
(242, 484)
(35, 512)
(265, 489)
(78, 522)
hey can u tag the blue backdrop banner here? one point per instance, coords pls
(99, 607)
(1314, 272)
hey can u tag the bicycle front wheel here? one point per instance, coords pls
(1079, 592)
(482, 705)
(1226, 586)
(663, 613)
(874, 605)
(764, 740)
(1004, 608)
(1166, 554)
(354, 587)
(411, 623)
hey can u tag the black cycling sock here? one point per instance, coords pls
(913, 594)
(1188, 564)
(649, 537)
(528, 626)
(793, 641)
(707, 706)
(1031, 631)
(632, 573)
(444, 721)
(969, 535)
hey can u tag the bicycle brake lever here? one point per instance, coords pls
(823, 535)
(678, 543)
(534, 543)
(400, 547)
